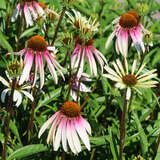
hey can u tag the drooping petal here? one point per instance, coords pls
(34, 14)
(75, 137)
(27, 67)
(3, 94)
(113, 78)
(82, 133)
(17, 97)
(28, 95)
(124, 42)
(92, 60)
(128, 93)
(28, 16)
(41, 69)
(4, 82)
(86, 125)
(69, 138)
(58, 136)
(83, 88)
(64, 134)
(46, 124)
(110, 38)
(36, 67)
(16, 12)
(51, 67)
(39, 9)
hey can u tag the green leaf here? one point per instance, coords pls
(14, 130)
(143, 136)
(113, 144)
(27, 151)
(49, 97)
(4, 43)
(28, 32)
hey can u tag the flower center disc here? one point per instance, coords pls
(129, 20)
(37, 43)
(41, 4)
(71, 109)
(89, 42)
(129, 80)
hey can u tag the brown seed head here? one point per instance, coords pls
(71, 109)
(129, 80)
(37, 43)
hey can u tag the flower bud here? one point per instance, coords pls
(14, 68)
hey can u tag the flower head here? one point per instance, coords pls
(129, 24)
(130, 80)
(18, 92)
(86, 51)
(82, 24)
(32, 10)
(37, 49)
(67, 126)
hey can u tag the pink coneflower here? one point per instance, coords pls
(88, 52)
(129, 23)
(67, 126)
(37, 49)
(31, 11)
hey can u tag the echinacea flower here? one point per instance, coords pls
(130, 80)
(31, 11)
(129, 24)
(37, 50)
(67, 126)
(19, 91)
(82, 87)
(82, 24)
(87, 52)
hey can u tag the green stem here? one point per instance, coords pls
(122, 127)
(58, 25)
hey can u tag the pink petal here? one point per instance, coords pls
(41, 69)
(27, 67)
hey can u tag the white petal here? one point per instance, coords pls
(69, 138)
(75, 137)
(113, 78)
(64, 135)
(28, 95)
(17, 97)
(4, 82)
(46, 124)
(134, 66)
(58, 136)
(82, 133)
(128, 94)
(3, 94)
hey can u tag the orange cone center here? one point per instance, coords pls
(129, 20)
(71, 109)
(129, 80)
(37, 43)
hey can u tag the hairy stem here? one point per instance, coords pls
(122, 127)
(63, 155)
(9, 108)
(58, 25)
(31, 124)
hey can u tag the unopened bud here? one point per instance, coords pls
(14, 68)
